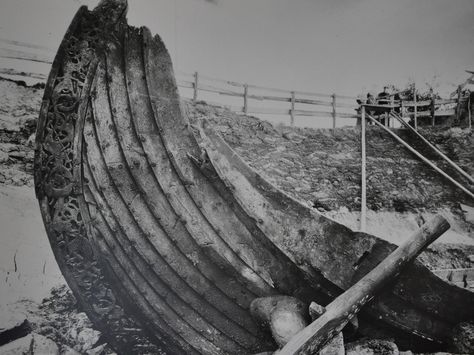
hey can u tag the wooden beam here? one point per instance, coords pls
(456, 275)
(333, 112)
(415, 109)
(195, 86)
(246, 91)
(469, 111)
(432, 109)
(437, 151)
(292, 111)
(458, 107)
(338, 313)
(363, 203)
(419, 155)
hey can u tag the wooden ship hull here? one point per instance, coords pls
(166, 236)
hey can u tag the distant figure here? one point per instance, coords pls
(370, 99)
(383, 98)
(398, 99)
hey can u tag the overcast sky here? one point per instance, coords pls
(342, 46)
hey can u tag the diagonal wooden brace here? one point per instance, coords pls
(312, 338)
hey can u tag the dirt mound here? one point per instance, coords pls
(324, 168)
(318, 167)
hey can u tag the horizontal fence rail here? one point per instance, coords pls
(255, 99)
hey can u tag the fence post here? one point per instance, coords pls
(415, 108)
(363, 202)
(469, 111)
(292, 115)
(333, 113)
(401, 107)
(432, 108)
(195, 86)
(458, 108)
(246, 91)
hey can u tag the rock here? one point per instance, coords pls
(284, 324)
(99, 350)
(66, 350)
(463, 338)
(32, 344)
(285, 315)
(14, 331)
(372, 347)
(335, 346)
(468, 213)
(3, 157)
(13, 325)
(88, 338)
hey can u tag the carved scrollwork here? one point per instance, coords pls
(65, 106)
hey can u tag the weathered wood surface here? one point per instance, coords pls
(319, 246)
(150, 236)
(59, 186)
(338, 313)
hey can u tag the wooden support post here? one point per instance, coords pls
(392, 104)
(333, 113)
(401, 108)
(312, 338)
(415, 107)
(246, 93)
(195, 86)
(469, 111)
(458, 107)
(363, 202)
(432, 109)
(292, 110)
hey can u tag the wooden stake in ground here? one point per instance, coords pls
(312, 338)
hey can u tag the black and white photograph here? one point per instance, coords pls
(236, 177)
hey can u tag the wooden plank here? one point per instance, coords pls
(333, 113)
(186, 85)
(456, 275)
(363, 211)
(441, 154)
(195, 86)
(292, 111)
(458, 108)
(432, 110)
(246, 92)
(314, 102)
(21, 55)
(445, 101)
(469, 113)
(416, 103)
(214, 89)
(414, 151)
(311, 339)
(438, 113)
(10, 71)
(25, 44)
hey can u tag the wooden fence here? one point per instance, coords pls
(254, 99)
(250, 97)
(302, 103)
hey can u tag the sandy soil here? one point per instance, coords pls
(314, 166)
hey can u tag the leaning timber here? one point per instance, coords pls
(340, 311)
(166, 236)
